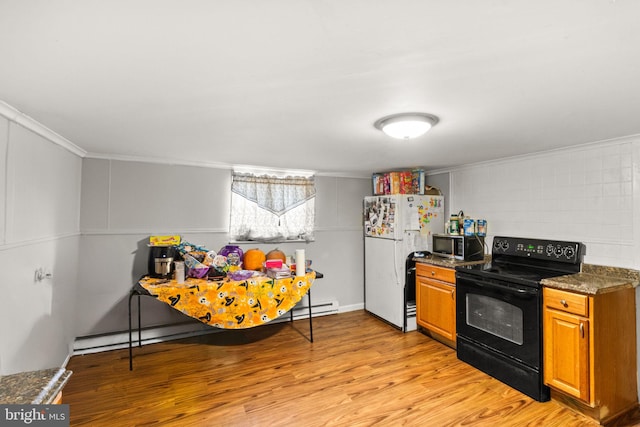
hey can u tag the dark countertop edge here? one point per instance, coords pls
(448, 263)
(50, 393)
(33, 387)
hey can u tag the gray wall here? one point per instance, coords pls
(125, 202)
(87, 222)
(39, 228)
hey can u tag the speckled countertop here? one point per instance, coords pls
(596, 279)
(34, 387)
(450, 263)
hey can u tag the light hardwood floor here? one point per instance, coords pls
(358, 372)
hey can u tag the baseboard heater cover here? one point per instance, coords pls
(155, 334)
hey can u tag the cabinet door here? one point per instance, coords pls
(437, 307)
(566, 353)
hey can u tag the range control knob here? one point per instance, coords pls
(549, 250)
(569, 252)
(505, 245)
(559, 250)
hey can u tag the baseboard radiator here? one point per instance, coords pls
(155, 334)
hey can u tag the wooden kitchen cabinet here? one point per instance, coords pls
(436, 301)
(589, 350)
(566, 334)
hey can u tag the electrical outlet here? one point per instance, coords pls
(41, 274)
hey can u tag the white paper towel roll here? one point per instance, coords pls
(179, 271)
(301, 263)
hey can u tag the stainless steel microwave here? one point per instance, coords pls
(462, 248)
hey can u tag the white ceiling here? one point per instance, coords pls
(299, 83)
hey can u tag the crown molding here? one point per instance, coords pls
(157, 160)
(635, 138)
(213, 165)
(14, 115)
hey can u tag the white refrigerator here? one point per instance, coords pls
(394, 227)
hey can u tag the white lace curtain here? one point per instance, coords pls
(272, 208)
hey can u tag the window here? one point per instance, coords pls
(268, 208)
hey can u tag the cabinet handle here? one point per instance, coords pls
(564, 303)
(582, 330)
(433, 273)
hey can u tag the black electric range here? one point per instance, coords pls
(499, 308)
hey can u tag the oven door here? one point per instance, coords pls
(500, 315)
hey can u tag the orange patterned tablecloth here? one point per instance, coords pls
(231, 304)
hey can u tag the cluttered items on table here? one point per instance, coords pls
(171, 257)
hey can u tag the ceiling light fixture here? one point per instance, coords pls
(406, 125)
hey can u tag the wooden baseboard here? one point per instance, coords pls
(598, 413)
(438, 337)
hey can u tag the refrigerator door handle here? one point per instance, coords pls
(399, 279)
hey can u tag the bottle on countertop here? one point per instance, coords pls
(454, 225)
(468, 226)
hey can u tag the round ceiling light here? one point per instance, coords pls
(406, 125)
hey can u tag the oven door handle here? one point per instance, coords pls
(508, 289)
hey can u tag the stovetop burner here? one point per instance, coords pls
(512, 273)
(527, 261)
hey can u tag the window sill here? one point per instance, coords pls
(247, 242)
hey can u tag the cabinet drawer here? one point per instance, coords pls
(566, 301)
(438, 273)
